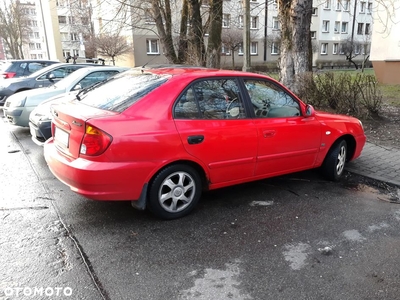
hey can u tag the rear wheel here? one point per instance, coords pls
(335, 161)
(174, 192)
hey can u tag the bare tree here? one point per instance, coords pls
(14, 27)
(232, 40)
(112, 45)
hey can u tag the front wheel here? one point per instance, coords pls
(335, 161)
(174, 192)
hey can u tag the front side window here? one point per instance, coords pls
(211, 99)
(270, 101)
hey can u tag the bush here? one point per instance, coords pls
(357, 95)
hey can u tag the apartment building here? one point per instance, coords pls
(336, 24)
(385, 47)
(40, 42)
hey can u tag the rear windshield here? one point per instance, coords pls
(123, 90)
(5, 66)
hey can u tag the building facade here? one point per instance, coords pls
(385, 47)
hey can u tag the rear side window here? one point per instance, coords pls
(123, 90)
(35, 66)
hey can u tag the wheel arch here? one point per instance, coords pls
(194, 165)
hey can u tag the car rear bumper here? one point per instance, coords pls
(98, 180)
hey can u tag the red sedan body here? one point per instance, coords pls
(116, 149)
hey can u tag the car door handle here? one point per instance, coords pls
(195, 139)
(268, 133)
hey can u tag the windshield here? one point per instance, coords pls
(123, 90)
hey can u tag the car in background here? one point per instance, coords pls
(160, 137)
(23, 67)
(41, 78)
(41, 99)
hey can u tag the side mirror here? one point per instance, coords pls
(310, 112)
(77, 87)
(50, 76)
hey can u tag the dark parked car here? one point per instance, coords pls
(23, 67)
(42, 78)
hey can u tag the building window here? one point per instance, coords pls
(75, 52)
(357, 49)
(30, 35)
(362, 7)
(152, 46)
(313, 34)
(337, 27)
(341, 50)
(345, 5)
(40, 56)
(34, 23)
(324, 48)
(335, 48)
(240, 21)
(64, 36)
(37, 35)
(66, 53)
(33, 12)
(38, 46)
(32, 46)
(338, 5)
(33, 56)
(225, 50)
(84, 20)
(240, 49)
(275, 23)
(367, 28)
(226, 20)
(71, 20)
(369, 8)
(360, 28)
(327, 4)
(254, 48)
(325, 26)
(254, 23)
(62, 19)
(314, 11)
(74, 36)
(344, 27)
(274, 48)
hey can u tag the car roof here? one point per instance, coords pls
(30, 60)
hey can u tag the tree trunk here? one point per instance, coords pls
(197, 33)
(214, 39)
(295, 19)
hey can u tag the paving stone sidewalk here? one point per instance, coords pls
(379, 163)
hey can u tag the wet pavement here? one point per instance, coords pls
(291, 237)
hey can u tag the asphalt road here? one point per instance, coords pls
(292, 237)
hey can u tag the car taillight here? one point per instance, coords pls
(9, 74)
(95, 141)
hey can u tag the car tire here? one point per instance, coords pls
(174, 192)
(335, 160)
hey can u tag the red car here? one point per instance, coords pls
(160, 137)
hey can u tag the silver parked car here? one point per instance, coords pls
(19, 106)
